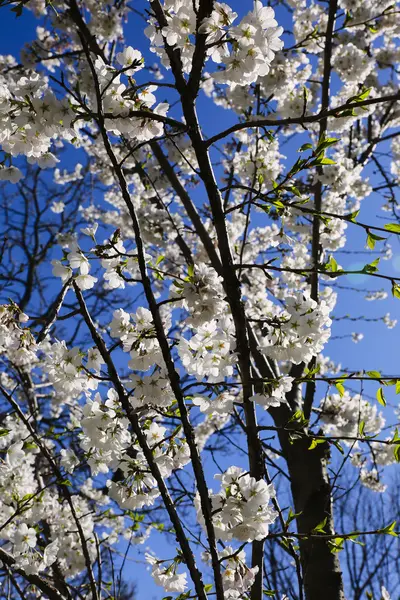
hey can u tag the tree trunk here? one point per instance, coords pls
(311, 491)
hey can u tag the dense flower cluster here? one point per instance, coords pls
(242, 509)
(209, 352)
(245, 50)
(342, 415)
(166, 575)
(300, 332)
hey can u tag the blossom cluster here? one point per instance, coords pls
(300, 332)
(245, 51)
(242, 509)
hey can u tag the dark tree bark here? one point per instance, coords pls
(312, 498)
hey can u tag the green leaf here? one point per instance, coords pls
(361, 428)
(158, 275)
(278, 203)
(352, 216)
(269, 592)
(325, 143)
(364, 95)
(26, 498)
(327, 161)
(270, 135)
(374, 374)
(325, 220)
(291, 517)
(381, 397)
(370, 242)
(371, 267)
(395, 293)
(315, 443)
(337, 544)
(295, 191)
(354, 540)
(310, 372)
(360, 97)
(65, 482)
(320, 527)
(331, 265)
(298, 417)
(347, 18)
(396, 440)
(298, 166)
(372, 238)
(303, 201)
(398, 386)
(338, 446)
(340, 388)
(208, 587)
(4, 432)
(371, 28)
(29, 446)
(393, 227)
(305, 147)
(389, 529)
(396, 437)
(322, 161)
(374, 263)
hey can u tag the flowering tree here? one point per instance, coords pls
(167, 296)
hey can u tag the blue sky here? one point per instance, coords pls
(377, 351)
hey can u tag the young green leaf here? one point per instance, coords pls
(305, 147)
(372, 238)
(315, 443)
(389, 529)
(331, 265)
(395, 292)
(373, 374)
(352, 216)
(393, 227)
(320, 527)
(340, 388)
(381, 397)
